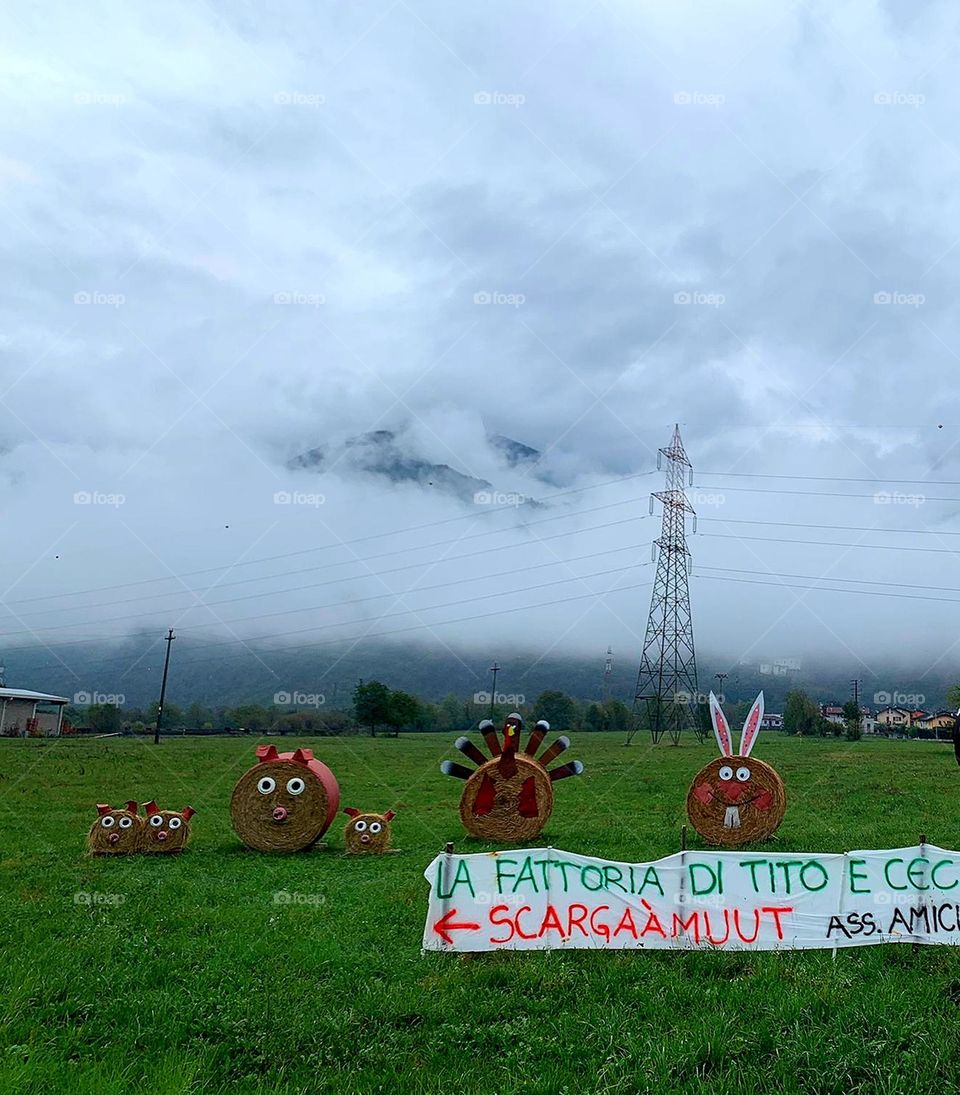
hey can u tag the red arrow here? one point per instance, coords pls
(445, 925)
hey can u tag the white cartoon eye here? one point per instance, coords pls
(126, 822)
(360, 826)
(266, 785)
(108, 822)
(743, 774)
(375, 826)
(295, 786)
(726, 773)
(175, 823)
(156, 821)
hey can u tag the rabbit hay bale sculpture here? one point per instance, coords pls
(736, 799)
(116, 831)
(285, 802)
(368, 834)
(165, 832)
(510, 795)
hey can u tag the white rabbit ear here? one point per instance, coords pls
(720, 727)
(751, 727)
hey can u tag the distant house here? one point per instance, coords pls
(917, 716)
(771, 721)
(938, 723)
(894, 718)
(30, 714)
(832, 712)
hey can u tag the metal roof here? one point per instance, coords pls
(26, 694)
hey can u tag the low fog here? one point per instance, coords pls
(398, 238)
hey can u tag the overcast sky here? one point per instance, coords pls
(234, 232)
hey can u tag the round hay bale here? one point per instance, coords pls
(504, 820)
(165, 832)
(736, 800)
(367, 834)
(285, 802)
(115, 832)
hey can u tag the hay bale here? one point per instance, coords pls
(115, 832)
(367, 834)
(285, 802)
(736, 800)
(504, 821)
(165, 832)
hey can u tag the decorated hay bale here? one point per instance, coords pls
(115, 832)
(166, 832)
(285, 802)
(736, 799)
(367, 834)
(509, 797)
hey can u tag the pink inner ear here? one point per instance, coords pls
(351, 811)
(131, 806)
(389, 815)
(266, 752)
(188, 812)
(301, 756)
(103, 808)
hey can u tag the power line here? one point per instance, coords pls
(833, 478)
(828, 543)
(826, 578)
(829, 589)
(839, 528)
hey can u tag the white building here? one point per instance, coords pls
(24, 713)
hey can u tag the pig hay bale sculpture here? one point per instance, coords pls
(509, 797)
(285, 802)
(116, 831)
(736, 799)
(368, 834)
(165, 832)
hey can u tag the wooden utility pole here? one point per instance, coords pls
(163, 686)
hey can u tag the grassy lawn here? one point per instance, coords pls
(186, 975)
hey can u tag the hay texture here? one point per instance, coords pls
(165, 832)
(368, 834)
(285, 802)
(736, 799)
(510, 796)
(115, 832)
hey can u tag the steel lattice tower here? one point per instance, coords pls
(667, 681)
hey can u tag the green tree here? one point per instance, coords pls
(450, 714)
(800, 714)
(251, 716)
(371, 705)
(404, 710)
(557, 708)
(172, 715)
(618, 717)
(104, 718)
(594, 718)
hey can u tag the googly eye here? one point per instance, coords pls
(156, 821)
(266, 785)
(375, 826)
(125, 822)
(295, 786)
(175, 823)
(743, 774)
(726, 773)
(108, 822)
(361, 826)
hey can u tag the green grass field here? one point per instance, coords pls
(184, 975)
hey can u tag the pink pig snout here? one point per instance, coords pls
(162, 835)
(280, 813)
(113, 838)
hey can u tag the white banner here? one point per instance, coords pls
(543, 898)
